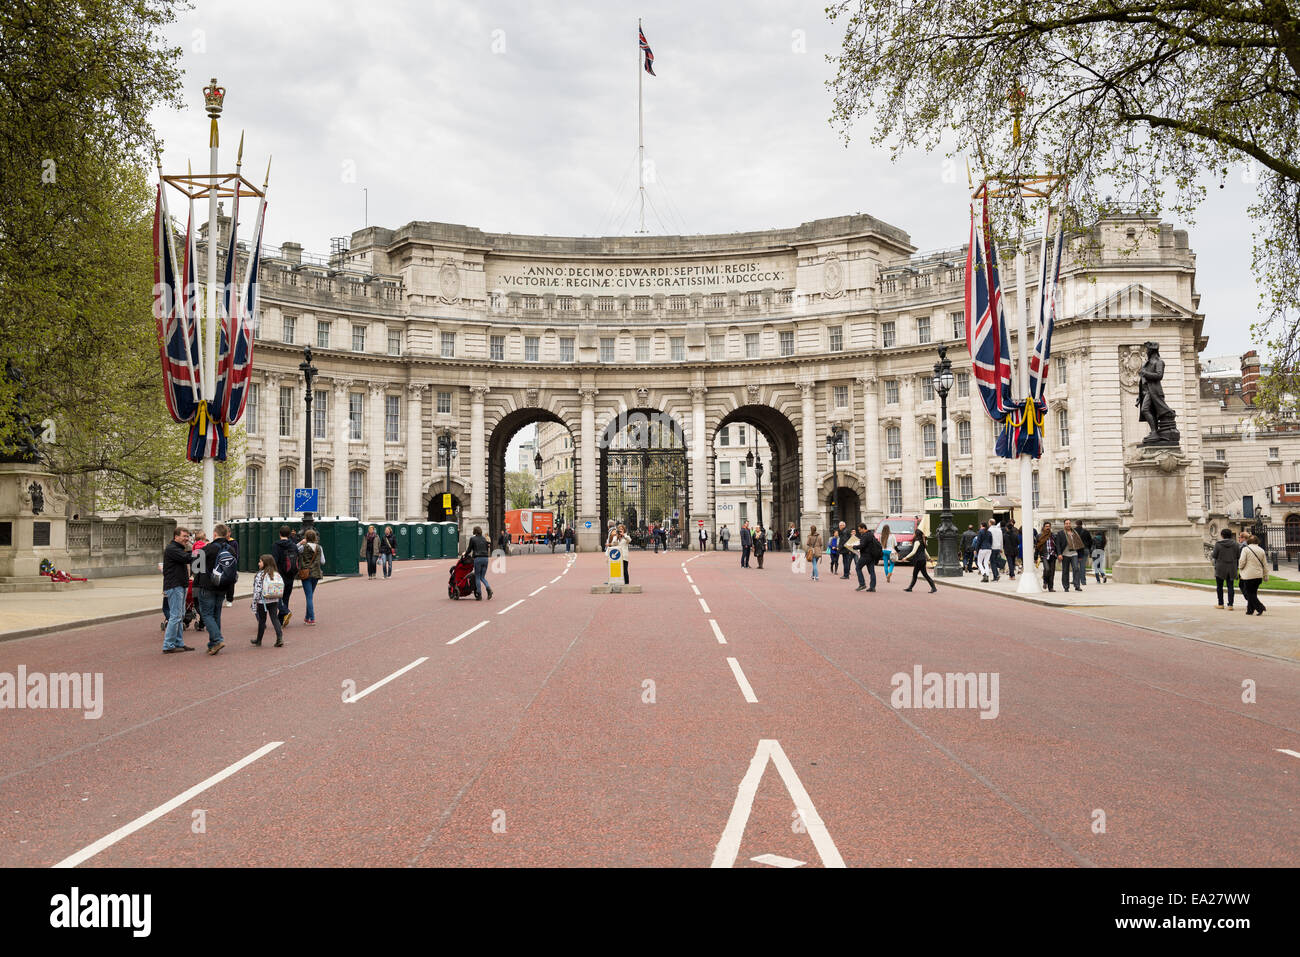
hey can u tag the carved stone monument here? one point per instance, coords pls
(1161, 540)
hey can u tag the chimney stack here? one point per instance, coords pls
(1249, 376)
(291, 252)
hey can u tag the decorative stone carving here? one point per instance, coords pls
(806, 389)
(868, 382)
(697, 393)
(1131, 360)
(642, 395)
(754, 391)
(377, 389)
(478, 393)
(449, 282)
(588, 395)
(530, 397)
(833, 277)
(415, 391)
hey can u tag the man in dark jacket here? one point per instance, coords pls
(746, 543)
(760, 543)
(285, 553)
(176, 581)
(847, 553)
(968, 548)
(480, 550)
(869, 552)
(1068, 546)
(1226, 555)
(210, 595)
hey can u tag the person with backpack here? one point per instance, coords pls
(1253, 568)
(268, 588)
(1098, 556)
(870, 551)
(918, 558)
(370, 552)
(286, 560)
(813, 553)
(387, 549)
(215, 569)
(312, 558)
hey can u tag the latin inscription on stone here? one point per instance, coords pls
(613, 279)
(40, 533)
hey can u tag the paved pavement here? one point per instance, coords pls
(726, 716)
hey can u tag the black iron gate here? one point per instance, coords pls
(644, 487)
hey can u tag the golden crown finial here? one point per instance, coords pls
(214, 97)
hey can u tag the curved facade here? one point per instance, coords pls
(435, 328)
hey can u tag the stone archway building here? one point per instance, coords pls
(435, 327)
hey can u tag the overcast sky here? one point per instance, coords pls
(521, 117)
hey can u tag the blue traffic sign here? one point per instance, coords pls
(306, 499)
(588, 524)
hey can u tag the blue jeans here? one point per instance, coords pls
(995, 555)
(480, 577)
(387, 559)
(847, 559)
(889, 561)
(210, 603)
(871, 570)
(814, 565)
(309, 589)
(175, 635)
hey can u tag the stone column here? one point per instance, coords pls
(699, 466)
(339, 470)
(271, 449)
(1084, 484)
(414, 506)
(913, 493)
(808, 442)
(477, 459)
(375, 455)
(870, 467)
(589, 510)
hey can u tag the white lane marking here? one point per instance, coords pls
(556, 578)
(694, 589)
(383, 681)
(535, 591)
(465, 634)
(690, 580)
(717, 632)
(741, 680)
(515, 605)
(776, 860)
(86, 853)
(1294, 754)
(729, 843)
(704, 606)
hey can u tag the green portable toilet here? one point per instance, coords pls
(433, 540)
(450, 540)
(247, 560)
(338, 539)
(267, 533)
(419, 540)
(402, 532)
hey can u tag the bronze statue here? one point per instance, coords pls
(27, 449)
(1152, 407)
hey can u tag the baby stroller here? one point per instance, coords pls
(460, 583)
(191, 611)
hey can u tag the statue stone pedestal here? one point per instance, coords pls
(1161, 542)
(32, 528)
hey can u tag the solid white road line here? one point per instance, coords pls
(86, 853)
(717, 632)
(729, 844)
(776, 860)
(383, 681)
(508, 607)
(741, 680)
(556, 578)
(470, 632)
(704, 606)
(535, 591)
(694, 589)
(1294, 754)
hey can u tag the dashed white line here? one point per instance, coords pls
(535, 591)
(717, 632)
(471, 631)
(690, 579)
(741, 680)
(704, 606)
(515, 605)
(1294, 754)
(383, 681)
(694, 589)
(776, 860)
(556, 578)
(86, 853)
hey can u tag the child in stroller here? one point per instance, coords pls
(460, 582)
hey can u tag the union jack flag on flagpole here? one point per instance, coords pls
(1007, 408)
(981, 331)
(177, 337)
(241, 361)
(649, 54)
(1029, 425)
(208, 435)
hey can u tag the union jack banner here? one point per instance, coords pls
(241, 359)
(228, 315)
(1029, 425)
(981, 325)
(178, 339)
(649, 54)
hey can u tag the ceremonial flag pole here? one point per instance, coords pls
(1028, 583)
(648, 63)
(213, 97)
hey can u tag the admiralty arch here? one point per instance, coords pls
(654, 343)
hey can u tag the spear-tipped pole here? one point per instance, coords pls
(214, 98)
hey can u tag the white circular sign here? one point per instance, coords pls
(615, 554)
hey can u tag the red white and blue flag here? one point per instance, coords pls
(982, 336)
(1029, 424)
(241, 359)
(178, 340)
(649, 54)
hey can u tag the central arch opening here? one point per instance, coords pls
(747, 437)
(519, 485)
(644, 476)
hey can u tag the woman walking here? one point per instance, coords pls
(618, 538)
(370, 552)
(387, 549)
(887, 550)
(268, 589)
(835, 553)
(814, 551)
(918, 557)
(309, 565)
(1226, 554)
(1253, 567)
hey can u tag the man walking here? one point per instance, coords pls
(1085, 554)
(1047, 551)
(746, 543)
(285, 553)
(176, 581)
(1099, 556)
(846, 550)
(479, 550)
(725, 536)
(983, 551)
(1011, 546)
(1068, 546)
(869, 552)
(704, 538)
(216, 566)
(968, 548)
(995, 547)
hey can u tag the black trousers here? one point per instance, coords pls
(744, 557)
(921, 570)
(758, 553)
(1218, 586)
(1049, 572)
(1250, 588)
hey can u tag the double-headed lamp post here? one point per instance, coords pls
(949, 565)
(309, 473)
(835, 443)
(757, 464)
(446, 452)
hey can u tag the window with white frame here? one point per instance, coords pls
(394, 342)
(930, 485)
(724, 473)
(894, 442)
(963, 385)
(837, 338)
(321, 482)
(891, 392)
(965, 486)
(642, 348)
(1063, 427)
(841, 395)
(290, 325)
(927, 389)
(1274, 452)
(929, 440)
(742, 477)
(1291, 488)
(751, 345)
(392, 417)
(252, 483)
(677, 345)
(958, 320)
(999, 483)
(444, 403)
(744, 513)
(1220, 455)
(717, 347)
(724, 435)
(1207, 490)
(1037, 498)
(963, 438)
(532, 348)
(496, 348)
(392, 495)
(286, 411)
(740, 430)
(286, 490)
(250, 410)
(566, 348)
(358, 338)
(895, 488)
(356, 492)
(787, 343)
(923, 329)
(320, 413)
(448, 345)
(1065, 487)
(322, 334)
(355, 400)
(1062, 371)
(888, 334)
(607, 349)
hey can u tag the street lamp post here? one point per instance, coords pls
(949, 564)
(834, 445)
(757, 464)
(309, 473)
(446, 452)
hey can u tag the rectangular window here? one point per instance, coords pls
(286, 410)
(887, 334)
(322, 334)
(532, 348)
(605, 304)
(1207, 490)
(744, 513)
(444, 403)
(741, 476)
(837, 338)
(532, 302)
(963, 438)
(392, 492)
(1037, 498)
(1000, 483)
(1065, 488)
(565, 303)
(1274, 452)
(607, 350)
(290, 329)
(449, 345)
(958, 320)
(320, 408)
(717, 347)
(1292, 488)
(252, 504)
(930, 485)
(787, 343)
(753, 300)
(1062, 371)
(250, 411)
(965, 486)
(894, 442)
(394, 342)
(927, 389)
(678, 302)
(356, 489)
(842, 450)
(963, 385)
(841, 393)
(643, 349)
(355, 399)
(566, 348)
(741, 439)
(497, 347)
(923, 329)
(724, 435)
(1220, 455)
(929, 441)
(678, 346)
(358, 338)
(321, 483)
(751, 345)
(891, 392)
(895, 487)
(286, 491)
(392, 417)
(1063, 427)
(724, 473)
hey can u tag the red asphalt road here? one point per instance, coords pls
(533, 741)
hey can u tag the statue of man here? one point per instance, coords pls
(1152, 407)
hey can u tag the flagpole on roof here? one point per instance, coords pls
(640, 126)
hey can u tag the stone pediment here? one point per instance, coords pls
(1136, 301)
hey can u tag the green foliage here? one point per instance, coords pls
(520, 489)
(1141, 99)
